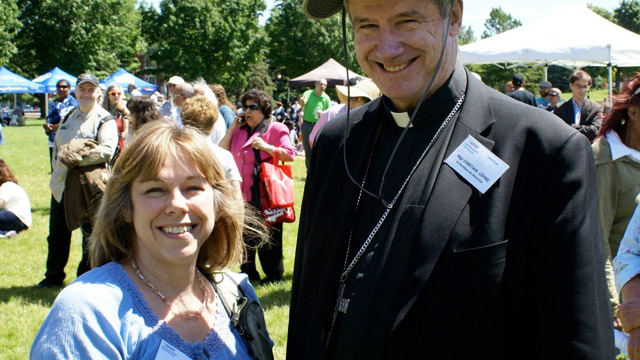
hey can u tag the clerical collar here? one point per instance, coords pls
(438, 105)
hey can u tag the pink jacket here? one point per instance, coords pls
(277, 134)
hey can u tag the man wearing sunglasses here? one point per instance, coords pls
(61, 106)
(582, 114)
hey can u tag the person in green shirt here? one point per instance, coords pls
(313, 102)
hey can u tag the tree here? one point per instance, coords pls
(628, 15)
(219, 40)
(466, 36)
(602, 12)
(299, 44)
(9, 26)
(499, 22)
(78, 35)
(259, 78)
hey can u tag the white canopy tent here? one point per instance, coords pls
(570, 35)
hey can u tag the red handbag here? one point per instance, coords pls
(276, 191)
(278, 181)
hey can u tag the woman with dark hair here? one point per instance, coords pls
(168, 219)
(15, 208)
(142, 110)
(251, 134)
(617, 158)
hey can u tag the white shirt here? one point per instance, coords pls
(618, 149)
(226, 161)
(16, 201)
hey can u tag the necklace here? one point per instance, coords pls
(188, 314)
(342, 303)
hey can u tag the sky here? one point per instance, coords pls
(476, 12)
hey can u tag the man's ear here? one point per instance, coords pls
(456, 19)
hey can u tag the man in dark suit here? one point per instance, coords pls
(520, 93)
(459, 224)
(581, 113)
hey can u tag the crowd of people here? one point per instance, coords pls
(440, 218)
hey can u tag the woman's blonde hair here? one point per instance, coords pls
(113, 237)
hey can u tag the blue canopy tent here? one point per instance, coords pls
(123, 78)
(12, 83)
(51, 78)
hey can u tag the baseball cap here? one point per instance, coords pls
(517, 79)
(87, 78)
(365, 88)
(555, 92)
(321, 9)
(175, 80)
(545, 84)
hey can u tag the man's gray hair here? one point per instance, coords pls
(186, 89)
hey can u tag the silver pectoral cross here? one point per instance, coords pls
(342, 304)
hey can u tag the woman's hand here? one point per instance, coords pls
(260, 144)
(237, 122)
(633, 346)
(629, 315)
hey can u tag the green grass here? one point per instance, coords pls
(22, 264)
(596, 95)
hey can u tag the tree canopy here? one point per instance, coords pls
(9, 26)
(627, 15)
(219, 40)
(78, 35)
(499, 22)
(299, 44)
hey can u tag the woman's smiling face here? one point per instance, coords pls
(173, 213)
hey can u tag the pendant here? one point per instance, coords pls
(342, 305)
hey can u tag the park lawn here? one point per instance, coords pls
(22, 308)
(597, 95)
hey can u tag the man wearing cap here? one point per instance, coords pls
(470, 231)
(543, 99)
(87, 121)
(313, 102)
(579, 112)
(554, 99)
(168, 108)
(356, 95)
(60, 108)
(520, 93)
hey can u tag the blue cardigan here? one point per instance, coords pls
(102, 315)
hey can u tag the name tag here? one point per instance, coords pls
(166, 351)
(477, 164)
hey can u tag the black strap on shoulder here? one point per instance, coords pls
(102, 121)
(66, 117)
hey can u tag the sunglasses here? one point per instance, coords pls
(62, 87)
(251, 107)
(113, 93)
